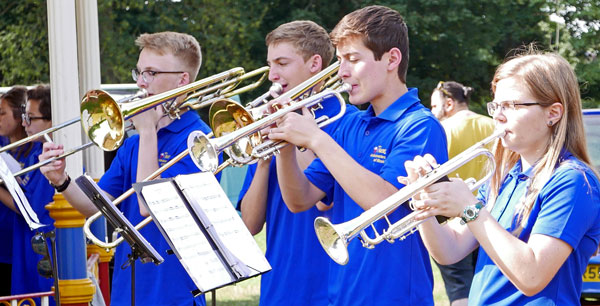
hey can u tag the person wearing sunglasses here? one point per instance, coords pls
(537, 221)
(464, 128)
(167, 60)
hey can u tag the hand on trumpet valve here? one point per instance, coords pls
(438, 199)
(54, 171)
(298, 129)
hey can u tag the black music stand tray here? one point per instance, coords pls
(140, 248)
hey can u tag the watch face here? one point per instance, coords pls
(470, 213)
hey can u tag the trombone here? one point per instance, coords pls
(237, 132)
(200, 94)
(45, 133)
(335, 238)
(103, 119)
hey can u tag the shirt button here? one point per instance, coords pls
(367, 133)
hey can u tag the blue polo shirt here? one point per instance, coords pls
(392, 273)
(297, 259)
(567, 208)
(37, 189)
(167, 283)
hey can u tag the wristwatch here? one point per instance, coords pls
(471, 213)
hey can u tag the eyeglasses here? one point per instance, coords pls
(44, 266)
(27, 118)
(440, 87)
(148, 75)
(504, 106)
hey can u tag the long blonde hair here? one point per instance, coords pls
(550, 79)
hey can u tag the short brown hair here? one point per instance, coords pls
(306, 36)
(42, 94)
(380, 29)
(16, 98)
(185, 47)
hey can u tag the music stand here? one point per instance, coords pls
(140, 248)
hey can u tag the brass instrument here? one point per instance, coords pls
(103, 119)
(199, 94)
(237, 131)
(140, 94)
(335, 238)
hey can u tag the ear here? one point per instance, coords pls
(394, 58)
(315, 64)
(185, 79)
(449, 104)
(554, 112)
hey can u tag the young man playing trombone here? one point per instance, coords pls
(297, 51)
(358, 166)
(167, 60)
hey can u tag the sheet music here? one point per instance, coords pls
(11, 162)
(217, 213)
(19, 197)
(188, 241)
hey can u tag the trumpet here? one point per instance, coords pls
(103, 119)
(237, 132)
(335, 238)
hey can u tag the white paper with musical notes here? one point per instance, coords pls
(196, 254)
(217, 213)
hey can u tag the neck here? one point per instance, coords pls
(392, 92)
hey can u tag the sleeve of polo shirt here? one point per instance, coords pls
(112, 180)
(569, 205)
(419, 137)
(246, 185)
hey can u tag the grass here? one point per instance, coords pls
(247, 293)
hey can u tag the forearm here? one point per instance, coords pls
(7, 200)
(254, 203)
(363, 186)
(297, 191)
(440, 239)
(75, 196)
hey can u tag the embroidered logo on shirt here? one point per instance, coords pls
(163, 158)
(379, 154)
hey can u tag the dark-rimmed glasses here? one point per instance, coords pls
(148, 75)
(503, 106)
(27, 118)
(44, 266)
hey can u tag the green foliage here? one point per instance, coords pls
(462, 40)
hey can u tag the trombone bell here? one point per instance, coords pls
(102, 119)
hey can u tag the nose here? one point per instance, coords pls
(273, 75)
(344, 71)
(141, 83)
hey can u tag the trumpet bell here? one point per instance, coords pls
(331, 240)
(102, 120)
(227, 116)
(204, 154)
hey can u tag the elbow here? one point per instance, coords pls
(532, 288)
(254, 230)
(296, 207)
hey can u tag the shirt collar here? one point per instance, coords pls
(184, 121)
(396, 109)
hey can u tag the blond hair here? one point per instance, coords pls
(306, 36)
(549, 79)
(183, 46)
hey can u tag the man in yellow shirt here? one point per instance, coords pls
(450, 104)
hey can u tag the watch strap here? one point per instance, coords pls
(62, 187)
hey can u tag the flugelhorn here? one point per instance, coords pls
(335, 238)
(237, 131)
(103, 119)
